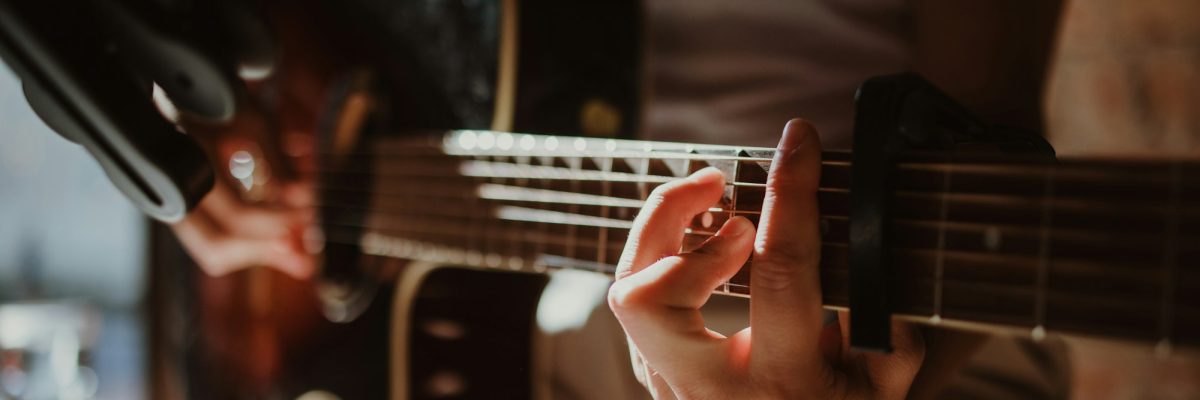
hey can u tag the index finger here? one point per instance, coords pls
(658, 229)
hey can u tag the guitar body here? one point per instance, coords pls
(375, 327)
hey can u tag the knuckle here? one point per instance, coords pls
(770, 251)
(669, 192)
(778, 266)
(773, 275)
(789, 182)
(213, 263)
(624, 296)
(633, 294)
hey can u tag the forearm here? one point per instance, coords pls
(1125, 78)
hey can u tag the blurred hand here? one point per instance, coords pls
(229, 232)
(234, 228)
(788, 352)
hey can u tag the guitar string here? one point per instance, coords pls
(1116, 271)
(480, 168)
(1087, 301)
(1066, 169)
(496, 192)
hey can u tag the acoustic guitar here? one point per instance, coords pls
(996, 241)
(1090, 247)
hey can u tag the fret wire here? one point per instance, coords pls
(1170, 260)
(492, 225)
(485, 233)
(543, 229)
(475, 233)
(1043, 271)
(575, 164)
(643, 187)
(505, 225)
(687, 170)
(733, 201)
(940, 261)
(602, 233)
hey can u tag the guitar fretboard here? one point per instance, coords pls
(1095, 247)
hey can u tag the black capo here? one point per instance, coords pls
(895, 115)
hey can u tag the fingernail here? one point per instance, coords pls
(707, 174)
(795, 133)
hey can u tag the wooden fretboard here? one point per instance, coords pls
(1105, 248)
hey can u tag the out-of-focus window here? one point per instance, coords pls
(72, 266)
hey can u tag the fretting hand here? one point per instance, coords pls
(788, 352)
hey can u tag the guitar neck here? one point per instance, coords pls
(1106, 248)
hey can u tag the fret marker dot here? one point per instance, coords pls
(467, 140)
(580, 144)
(706, 220)
(992, 238)
(551, 143)
(610, 145)
(528, 142)
(486, 140)
(504, 141)
(1038, 333)
(935, 319)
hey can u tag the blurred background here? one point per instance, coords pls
(73, 257)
